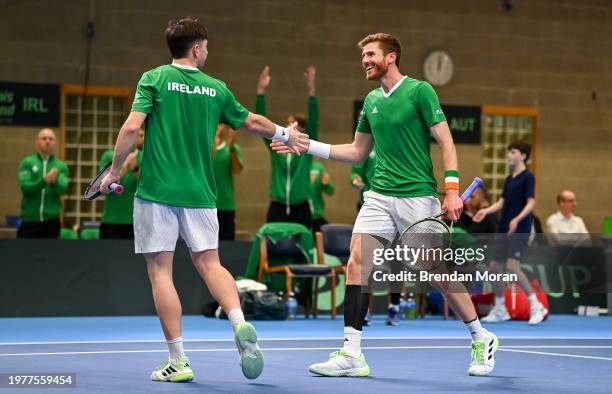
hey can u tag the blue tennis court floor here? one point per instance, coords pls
(566, 354)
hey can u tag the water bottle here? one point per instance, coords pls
(410, 307)
(403, 306)
(292, 306)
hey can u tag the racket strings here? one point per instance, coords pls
(93, 190)
(432, 236)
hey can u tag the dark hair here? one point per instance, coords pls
(522, 147)
(182, 34)
(387, 43)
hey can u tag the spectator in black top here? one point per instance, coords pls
(478, 201)
(516, 203)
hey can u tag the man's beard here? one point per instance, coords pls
(380, 69)
(200, 64)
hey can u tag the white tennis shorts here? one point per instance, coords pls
(385, 216)
(157, 227)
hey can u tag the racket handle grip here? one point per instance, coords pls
(117, 188)
(476, 183)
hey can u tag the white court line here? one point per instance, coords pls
(557, 354)
(232, 350)
(292, 339)
(509, 349)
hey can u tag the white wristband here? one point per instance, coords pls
(319, 149)
(281, 134)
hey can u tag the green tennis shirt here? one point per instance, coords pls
(184, 107)
(399, 123)
(119, 208)
(224, 177)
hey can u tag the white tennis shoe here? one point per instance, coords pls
(341, 363)
(499, 313)
(537, 313)
(483, 360)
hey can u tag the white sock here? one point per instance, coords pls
(500, 301)
(235, 317)
(352, 341)
(476, 330)
(533, 299)
(175, 347)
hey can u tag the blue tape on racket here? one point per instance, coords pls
(476, 183)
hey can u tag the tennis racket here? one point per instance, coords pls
(93, 189)
(432, 235)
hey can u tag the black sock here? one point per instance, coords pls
(365, 303)
(356, 301)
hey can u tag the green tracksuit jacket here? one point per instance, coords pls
(41, 201)
(290, 175)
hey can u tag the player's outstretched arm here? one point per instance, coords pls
(355, 152)
(264, 127)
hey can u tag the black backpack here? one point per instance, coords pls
(256, 305)
(263, 305)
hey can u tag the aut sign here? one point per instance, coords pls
(464, 122)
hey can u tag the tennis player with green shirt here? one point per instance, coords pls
(398, 117)
(181, 107)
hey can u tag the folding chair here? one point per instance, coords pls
(288, 247)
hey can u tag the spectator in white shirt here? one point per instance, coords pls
(564, 227)
(564, 221)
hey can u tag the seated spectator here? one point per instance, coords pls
(564, 221)
(43, 179)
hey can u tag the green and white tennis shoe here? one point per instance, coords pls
(251, 357)
(173, 371)
(341, 363)
(483, 360)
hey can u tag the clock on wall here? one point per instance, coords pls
(438, 68)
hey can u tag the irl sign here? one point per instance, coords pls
(26, 104)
